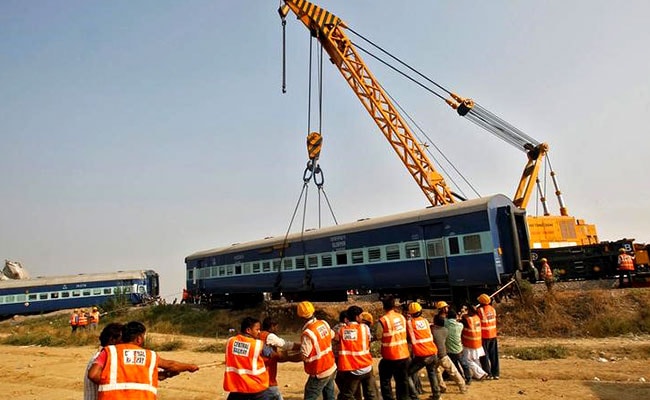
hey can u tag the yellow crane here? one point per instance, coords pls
(330, 31)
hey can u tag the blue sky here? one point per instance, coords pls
(136, 133)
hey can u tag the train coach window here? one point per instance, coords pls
(67, 294)
(287, 264)
(454, 247)
(76, 293)
(256, 268)
(472, 243)
(357, 257)
(10, 299)
(106, 291)
(42, 296)
(222, 271)
(276, 265)
(229, 270)
(392, 252)
(413, 250)
(22, 297)
(312, 261)
(300, 263)
(341, 258)
(374, 254)
(86, 293)
(2, 299)
(31, 297)
(435, 248)
(96, 292)
(266, 266)
(326, 260)
(54, 295)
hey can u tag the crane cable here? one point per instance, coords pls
(475, 113)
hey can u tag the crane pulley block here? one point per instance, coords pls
(314, 145)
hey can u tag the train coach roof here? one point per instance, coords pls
(464, 207)
(72, 279)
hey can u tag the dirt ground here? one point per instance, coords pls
(605, 369)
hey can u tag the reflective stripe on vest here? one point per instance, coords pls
(270, 363)
(488, 316)
(393, 339)
(321, 357)
(82, 320)
(625, 262)
(130, 372)
(421, 337)
(355, 347)
(471, 337)
(245, 370)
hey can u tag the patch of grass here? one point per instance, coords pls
(49, 337)
(538, 353)
(212, 348)
(169, 345)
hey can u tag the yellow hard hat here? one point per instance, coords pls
(484, 299)
(305, 309)
(441, 304)
(94, 308)
(76, 310)
(621, 250)
(366, 316)
(415, 308)
(543, 260)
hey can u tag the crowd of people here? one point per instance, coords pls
(459, 346)
(82, 319)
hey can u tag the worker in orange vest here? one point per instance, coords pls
(625, 268)
(488, 317)
(128, 371)
(547, 274)
(74, 320)
(82, 322)
(354, 358)
(472, 344)
(391, 330)
(93, 318)
(317, 354)
(425, 351)
(246, 376)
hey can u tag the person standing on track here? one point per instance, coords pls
(547, 274)
(625, 268)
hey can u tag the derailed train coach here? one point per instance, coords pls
(44, 294)
(451, 252)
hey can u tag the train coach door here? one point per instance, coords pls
(513, 239)
(434, 253)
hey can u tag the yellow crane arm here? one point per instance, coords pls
(329, 30)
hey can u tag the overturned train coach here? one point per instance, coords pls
(442, 253)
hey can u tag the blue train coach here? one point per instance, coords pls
(450, 252)
(43, 294)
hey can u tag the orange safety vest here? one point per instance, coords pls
(245, 369)
(547, 273)
(270, 363)
(355, 347)
(94, 317)
(471, 337)
(422, 343)
(74, 320)
(625, 262)
(130, 372)
(488, 316)
(83, 321)
(321, 357)
(393, 339)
